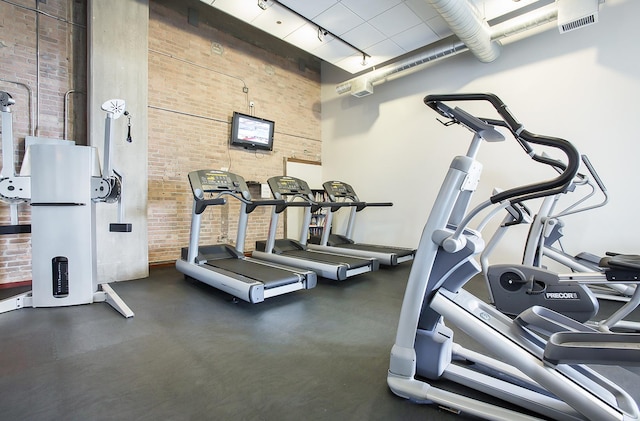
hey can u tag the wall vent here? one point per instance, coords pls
(575, 14)
(360, 88)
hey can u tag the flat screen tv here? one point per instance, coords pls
(251, 132)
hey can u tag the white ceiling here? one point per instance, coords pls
(383, 29)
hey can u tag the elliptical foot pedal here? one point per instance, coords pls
(621, 267)
(120, 227)
(593, 348)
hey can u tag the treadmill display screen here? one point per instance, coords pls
(340, 189)
(289, 186)
(215, 181)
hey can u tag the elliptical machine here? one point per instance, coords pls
(534, 361)
(514, 288)
(61, 182)
(546, 233)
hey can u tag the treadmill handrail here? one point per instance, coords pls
(363, 205)
(378, 204)
(334, 206)
(202, 204)
(285, 205)
(313, 205)
(253, 204)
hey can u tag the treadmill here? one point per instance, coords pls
(296, 253)
(223, 266)
(340, 192)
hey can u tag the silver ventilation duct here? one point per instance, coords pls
(363, 85)
(524, 23)
(464, 22)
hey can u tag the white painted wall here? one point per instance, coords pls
(582, 86)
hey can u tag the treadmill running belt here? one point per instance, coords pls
(373, 247)
(351, 262)
(270, 276)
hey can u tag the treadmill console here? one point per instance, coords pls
(337, 189)
(289, 186)
(215, 181)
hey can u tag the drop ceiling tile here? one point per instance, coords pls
(385, 29)
(306, 38)
(309, 8)
(416, 37)
(440, 27)
(363, 36)
(367, 9)
(338, 19)
(353, 63)
(333, 50)
(246, 10)
(278, 21)
(383, 51)
(423, 9)
(395, 20)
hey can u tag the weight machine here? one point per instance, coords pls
(62, 183)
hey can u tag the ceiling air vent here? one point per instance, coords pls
(574, 14)
(360, 88)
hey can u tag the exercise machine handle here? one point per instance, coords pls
(542, 158)
(334, 206)
(524, 138)
(362, 205)
(520, 213)
(202, 204)
(594, 174)
(253, 204)
(377, 204)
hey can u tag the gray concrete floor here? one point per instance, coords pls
(192, 353)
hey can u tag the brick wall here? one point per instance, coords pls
(193, 91)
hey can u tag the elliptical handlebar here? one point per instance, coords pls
(594, 182)
(524, 138)
(594, 174)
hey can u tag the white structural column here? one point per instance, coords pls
(117, 60)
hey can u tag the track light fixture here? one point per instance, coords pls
(321, 34)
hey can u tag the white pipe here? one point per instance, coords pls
(521, 24)
(448, 47)
(439, 50)
(37, 128)
(66, 111)
(465, 23)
